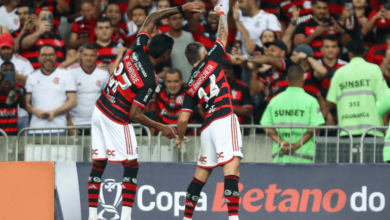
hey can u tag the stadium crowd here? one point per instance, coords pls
(62, 53)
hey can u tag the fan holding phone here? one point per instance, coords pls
(11, 94)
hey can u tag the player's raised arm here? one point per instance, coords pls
(150, 22)
(223, 31)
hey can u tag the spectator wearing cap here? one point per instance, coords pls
(310, 32)
(377, 54)
(181, 39)
(30, 43)
(22, 69)
(8, 15)
(355, 89)
(242, 101)
(314, 71)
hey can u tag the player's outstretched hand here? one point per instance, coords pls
(168, 132)
(192, 7)
(178, 141)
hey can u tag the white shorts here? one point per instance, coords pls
(112, 140)
(221, 142)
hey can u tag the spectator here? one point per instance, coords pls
(305, 11)
(8, 15)
(57, 8)
(90, 80)
(242, 101)
(83, 26)
(72, 57)
(163, 25)
(255, 21)
(12, 95)
(361, 13)
(27, 23)
(379, 20)
(181, 39)
(22, 68)
(107, 48)
(355, 92)
(296, 145)
(139, 16)
(331, 62)
(148, 4)
(310, 32)
(51, 92)
(170, 99)
(123, 6)
(376, 54)
(30, 43)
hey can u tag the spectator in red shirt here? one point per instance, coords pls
(11, 94)
(139, 16)
(83, 26)
(379, 20)
(310, 32)
(377, 53)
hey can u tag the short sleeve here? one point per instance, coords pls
(300, 30)
(70, 84)
(380, 85)
(316, 118)
(144, 94)
(216, 53)
(247, 101)
(141, 41)
(29, 85)
(189, 104)
(266, 119)
(75, 28)
(274, 24)
(383, 105)
(27, 69)
(332, 92)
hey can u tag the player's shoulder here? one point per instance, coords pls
(20, 58)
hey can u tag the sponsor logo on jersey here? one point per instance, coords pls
(306, 5)
(212, 109)
(126, 179)
(139, 67)
(150, 90)
(56, 80)
(92, 187)
(99, 83)
(179, 99)
(134, 57)
(204, 75)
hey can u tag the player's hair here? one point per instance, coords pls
(7, 63)
(46, 45)
(316, 1)
(103, 20)
(87, 1)
(159, 45)
(175, 70)
(331, 37)
(142, 8)
(89, 46)
(294, 73)
(356, 47)
(193, 52)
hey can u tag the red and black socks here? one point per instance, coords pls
(192, 197)
(94, 182)
(129, 188)
(232, 196)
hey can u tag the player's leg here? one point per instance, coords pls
(99, 158)
(229, 145)
(206, 162)
(129, 187)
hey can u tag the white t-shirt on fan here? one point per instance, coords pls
(9, 20)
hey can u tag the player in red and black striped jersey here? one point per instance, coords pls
(107, 48)
(310, 32)
(30, 43)
(220, 135)
(124, 98)
(11, 94)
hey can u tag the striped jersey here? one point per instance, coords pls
(33, 53)
(208, 86)
(241, 98)
(304, 6)
(107, 53)
(9, 113)
(133, 81)
(169, 106)
(83, 26)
